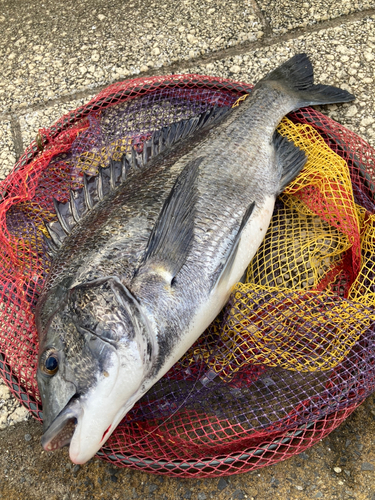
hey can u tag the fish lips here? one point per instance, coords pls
(61, 430)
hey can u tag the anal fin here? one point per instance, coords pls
(228, 260)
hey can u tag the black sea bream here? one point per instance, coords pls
(146, 255)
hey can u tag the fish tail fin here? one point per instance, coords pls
(296, 76)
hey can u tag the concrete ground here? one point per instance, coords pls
(56, 55)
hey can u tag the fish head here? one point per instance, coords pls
(95, 351)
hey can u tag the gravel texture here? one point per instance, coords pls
(10, 410)
(32, 121)
(7, 153)
(74, 45)
(285, 15)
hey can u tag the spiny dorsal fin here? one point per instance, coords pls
(56, 237)
(171, 237)
(53, 244)
(168, 136)
(73, 207)
(95, 188)
(83, 200)
(87, 184)
(63, 212)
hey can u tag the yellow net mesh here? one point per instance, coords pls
(296, 282)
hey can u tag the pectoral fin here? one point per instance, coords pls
(173, 233)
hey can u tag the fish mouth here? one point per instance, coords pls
(62, 428)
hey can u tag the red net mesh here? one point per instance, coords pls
(292, 354)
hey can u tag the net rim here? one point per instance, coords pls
(196, 468)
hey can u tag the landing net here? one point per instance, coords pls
(290, 356)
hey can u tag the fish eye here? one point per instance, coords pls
(49, 362)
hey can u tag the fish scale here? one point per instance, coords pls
(151, 263)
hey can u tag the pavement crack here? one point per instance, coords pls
(318, 26)
(267, 29)
(15, 128)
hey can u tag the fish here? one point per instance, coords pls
(145, 255)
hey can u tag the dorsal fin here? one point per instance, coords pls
(62, 211)
(95, 188)
(73, 207)
(56, 237)
(83, 200)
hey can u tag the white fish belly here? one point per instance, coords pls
(252, 236)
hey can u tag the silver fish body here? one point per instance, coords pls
(141, 275)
